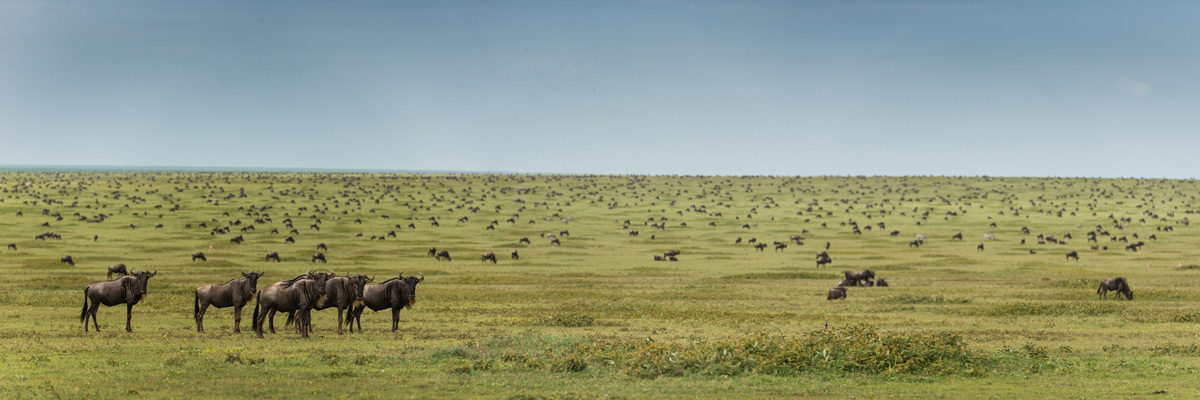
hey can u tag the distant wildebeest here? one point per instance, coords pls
(980, 247)
(659, 258)
(442, 255)
(633, 233)
(67, 260)
(300, 295)
(822, 260)
(957, 236)
(118, 269)
(524, 240)
(318, 257)
(236, 239)
(12, 246)
(780, 246)
(564, 233)
(273, 256)
(760, 246)
(515, 256)
(847, 282)
(738, 241)
(489, 257)
(341, 292)
(1072, 254)
(128, 290)
(837, 293)
(855, 277)
(432, 251)
(895, 233)
(881, 283)
(915, 243)
(199, 256)
(988, 236)
(555, 242)
(396, 293)
(752, 240)
(672, 258)
(921, 238)
(289, 239)
(236, 293)
(1115, 284)
(321, 246)
(670, 253)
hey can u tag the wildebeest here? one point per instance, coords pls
(442, 255)
(396, 293)
(489, 257)
(1072, 254)
(895, 233)
(343, 293)
(515, 256)
(12, 246)
(199, 256)
(881, 282)
(67, 260)
(321, 246)
(236, 293)
(921, 238)
(273, 256)
(837, 293)
(855, 277)
(1115, 284)
(300, 294)
(915, 243)
(524, 240)
(318, 256)
(289, 239)
(956, 236)
(564, 233)
(822, 260)
(760, 246)
(988, 236)
(659, 258)
(128, 290)
(555, 242)
(118, 269)
(780, 246)
(432, 251)
(236, 239)
(980, 247)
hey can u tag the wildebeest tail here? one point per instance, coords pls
(196, 311)
(83, 313)
(291, 318)
(254, 322)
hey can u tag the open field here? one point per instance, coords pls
(597, 316)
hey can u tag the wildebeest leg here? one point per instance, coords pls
(304, 315)
(129, 317)
(237, 318)
(340, 320)
(395, 319)
(355, 315)
(92, 311)
(200, 317)
(270, 320)
(258, 321)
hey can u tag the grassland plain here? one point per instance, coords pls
(597, 317)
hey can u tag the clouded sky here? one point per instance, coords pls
(1071, 88)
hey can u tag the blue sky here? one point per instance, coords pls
(1064, 88)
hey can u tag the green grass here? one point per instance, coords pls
(597, 317)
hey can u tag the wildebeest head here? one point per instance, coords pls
(252, 280)
(143, 278)
(360, 282)
(412, 282)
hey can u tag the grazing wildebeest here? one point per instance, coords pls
(289, 239)
(738, 241)
(340, 292)
(556, 242)
(760, 246)
(273, 256)
(881, 283)
(752, 240)
(837, 293)
(822, 260)
(670, 253)
(564, 233)
(318, 256)
(957, 236)
(236, 293)
(1116, 284)
(128, 290)
(489, 257)
(980, 247)
(12, 246)
(515, 256)
(780, 246)
(1072, 254)
(236, 239)
(300, 295)
(895, 233)
(915, 243)
(442, 255)
(321, 246)
(396, 293)
(118, 269)
(199, 256)
(523, 240)
(855, 277)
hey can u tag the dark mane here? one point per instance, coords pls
(231, 280)
(389, 280)
(289, 283)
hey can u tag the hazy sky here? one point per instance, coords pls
(1058, 88)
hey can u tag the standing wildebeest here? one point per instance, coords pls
(1116, 284)
(957, 236)
(489, 257)
(67, 260)
(127, 289)
(433, 251)
(289, 239)
(236, 239)
(442, 254)
(321, 246)
(1072, 254)
(921, 238)
(300, 294)
(396, 293)
(837, 293)
(980, 247)
(343, 293)
(318, 256)
(855, 277)
(915, 243)
(117, 269)
(822, 260)
(199, 256)
(273, 256)
(760, 246)
(515, 256)
(12, 246)
(780, 246)
(236, 293)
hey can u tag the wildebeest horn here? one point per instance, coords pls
(401, 274)
(332, 274)
(422, 277)
(264, 272)
(244, 272)
(155, 272)
(310, 272)
(372, 278)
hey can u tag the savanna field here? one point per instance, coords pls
(597, 316)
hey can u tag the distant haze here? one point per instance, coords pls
(1073, 88)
